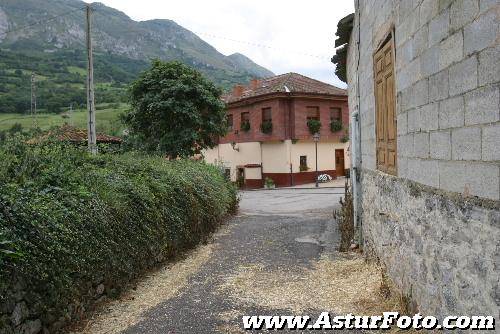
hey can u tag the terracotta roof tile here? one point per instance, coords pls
(284, 83)
(74, 135)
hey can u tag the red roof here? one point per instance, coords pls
(284, 83)
(74, 135)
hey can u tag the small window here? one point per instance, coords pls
(245, 117)
(245, 121)
(227, 173)
(267, 121)
(230, 122)
(303, 162)
(335, 114)
(267, 115)
(312, 113)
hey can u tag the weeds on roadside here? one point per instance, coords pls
(345, 219)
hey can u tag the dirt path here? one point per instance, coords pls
(278, 257)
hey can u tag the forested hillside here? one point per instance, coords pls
(53, 47)
(60, 79)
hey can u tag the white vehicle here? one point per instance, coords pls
(324, 178)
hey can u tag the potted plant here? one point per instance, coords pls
(314, 126)
(303, 168)
(345, 138)
(335, 125)
(245, 126)
(269, 183)
(266, 127)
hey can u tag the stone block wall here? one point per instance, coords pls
(447, 87)
(443, 252)
(448, 94)
(442, 241)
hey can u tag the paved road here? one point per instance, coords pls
(291, 202)
(276, 257)
(278, 232)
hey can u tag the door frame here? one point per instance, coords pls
(342, 172)
(240, 176)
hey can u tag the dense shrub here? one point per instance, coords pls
(79, 221)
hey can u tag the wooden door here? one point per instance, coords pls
(385, 116)
(339, 163)
(240, 177)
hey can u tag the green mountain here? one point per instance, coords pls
(242, 62)
(55, 51)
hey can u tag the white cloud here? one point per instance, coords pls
(299, 35)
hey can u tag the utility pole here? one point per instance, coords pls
(71, 114)
(33, 99)
(316, 138)
(90, 86)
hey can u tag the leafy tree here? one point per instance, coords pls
(175, 110)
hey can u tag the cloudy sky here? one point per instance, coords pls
(294, 35)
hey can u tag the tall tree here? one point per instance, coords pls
(175, 110)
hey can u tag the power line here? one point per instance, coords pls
(41, 21)
(261, 45)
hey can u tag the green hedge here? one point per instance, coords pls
(79, 220)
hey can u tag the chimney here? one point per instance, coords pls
(255, 83)
(238, 90)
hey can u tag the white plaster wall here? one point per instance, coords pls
(326, 155)
(249, 153)
(253, 173)
(276, 157)
(211, 155)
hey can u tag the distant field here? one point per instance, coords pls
(107, 120)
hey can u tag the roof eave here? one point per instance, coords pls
(269, 96)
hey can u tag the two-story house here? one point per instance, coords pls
(271, 126)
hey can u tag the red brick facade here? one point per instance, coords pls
(289, 118)
(288, 96)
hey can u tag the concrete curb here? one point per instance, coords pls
(291, 188)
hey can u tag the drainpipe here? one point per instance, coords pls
(355, 173)
(261, 164)
(289, 130)
(356, 163)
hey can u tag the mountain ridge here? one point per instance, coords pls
(115, 32)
